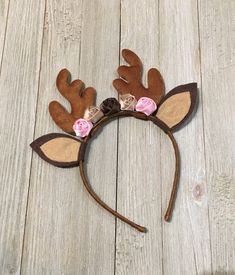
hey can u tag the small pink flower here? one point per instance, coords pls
(82, 127)
(146, 105)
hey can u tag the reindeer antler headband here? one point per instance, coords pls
(167, 112)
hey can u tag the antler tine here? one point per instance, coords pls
(131, 79)
(78, 97)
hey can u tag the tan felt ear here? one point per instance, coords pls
(178, 105)
(58, 149)
(174, 109)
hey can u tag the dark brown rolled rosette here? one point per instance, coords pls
(110, 106)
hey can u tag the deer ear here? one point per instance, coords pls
(177, 106)
(58, 149)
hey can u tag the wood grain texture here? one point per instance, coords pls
(4, 8)
(217, 34)
(186, 240)
(100, 30)
(139, 185)
(57, 228)
(66, 232)
(18, 92)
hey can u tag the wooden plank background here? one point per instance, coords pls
(49, 224)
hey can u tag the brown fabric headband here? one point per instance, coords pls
(168, 112)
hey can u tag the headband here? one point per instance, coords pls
(169, 113)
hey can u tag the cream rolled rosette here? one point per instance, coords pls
(128, 102)
(93, 114)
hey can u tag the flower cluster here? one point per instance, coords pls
(109, 106)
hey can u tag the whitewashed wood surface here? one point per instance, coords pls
(49, 224)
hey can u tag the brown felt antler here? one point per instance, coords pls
(131, 79)
(78, 97)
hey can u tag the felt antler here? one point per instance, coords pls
(78, 97)
(131, 79)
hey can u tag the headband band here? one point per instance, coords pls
(169, 113)
(85, 180)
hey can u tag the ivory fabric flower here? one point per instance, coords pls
(82, 127)
(128, 102)
(93, 114)
(146, 105)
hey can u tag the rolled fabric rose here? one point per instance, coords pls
(82, 127)
(146, 105)
(93, 114)
(110, 106)
(128, 102)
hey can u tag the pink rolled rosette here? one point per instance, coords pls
(82, 127)
(146, 105)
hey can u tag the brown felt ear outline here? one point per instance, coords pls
(177, 106)
(58, 149)
(79, 98)
(131, 79)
